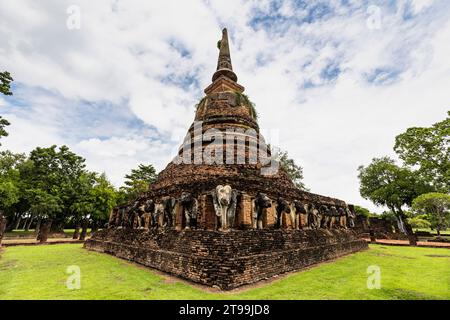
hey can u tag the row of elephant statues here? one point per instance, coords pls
(161, 214)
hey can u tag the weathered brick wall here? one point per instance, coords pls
(382, 228)
(230, 259)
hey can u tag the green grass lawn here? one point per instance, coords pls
(39, 272)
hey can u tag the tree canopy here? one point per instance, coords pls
(294, 171)
(429, 149)
(435, 206)
(386, 184)
(138, 181)
(5, 88)
(5, 83)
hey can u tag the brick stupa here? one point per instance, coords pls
(176, 226)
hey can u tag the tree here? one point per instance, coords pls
(104, 197)
(386, 184)
(294, 171)
(5, 88)
(436, 206)
(138, 181)
(419, 223)
(82, 207)
(10, 185)
(3, 124)
(5, 83)
(57, 173)
(97, 198)
(428, 148)
(361, 211)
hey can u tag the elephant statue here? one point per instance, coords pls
(334, 217)
(157, 215)
(169, 212)
(225, 201)
(260, 203)
(351, 216)
(190, 209)
(299, 210)
(342, 218)
(325, 216)
(282, 207)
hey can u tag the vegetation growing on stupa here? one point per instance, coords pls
(243, 99)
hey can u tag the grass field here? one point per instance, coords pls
(39, 272)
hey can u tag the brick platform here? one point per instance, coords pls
(226, 259)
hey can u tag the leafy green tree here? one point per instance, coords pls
(137, 181)
(56, 172)
(429, 149)
(419, 223)
(361, 211)
(3, 124)
(82, 207)
(43, 204)
(97, 198)
(386, 184)
(436, 206)
(9, 195)
(5, 88)
(104, 197)
(294, 171)
(10, 186)
(5, 83)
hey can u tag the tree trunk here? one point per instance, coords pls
(409, 230)
(438, 231)
(76, 233)
(25, 222)
(44, 231)
(38, 226)
(28, 226)
(94, 227)
(16, 227)
(84, 230)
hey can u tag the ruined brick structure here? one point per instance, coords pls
(382, 228)
(198, 219)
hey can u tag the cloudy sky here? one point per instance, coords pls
(333, 81)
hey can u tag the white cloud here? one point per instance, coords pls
(121, 90)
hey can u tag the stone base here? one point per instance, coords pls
(226, 259)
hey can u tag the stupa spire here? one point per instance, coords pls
(224, 67)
